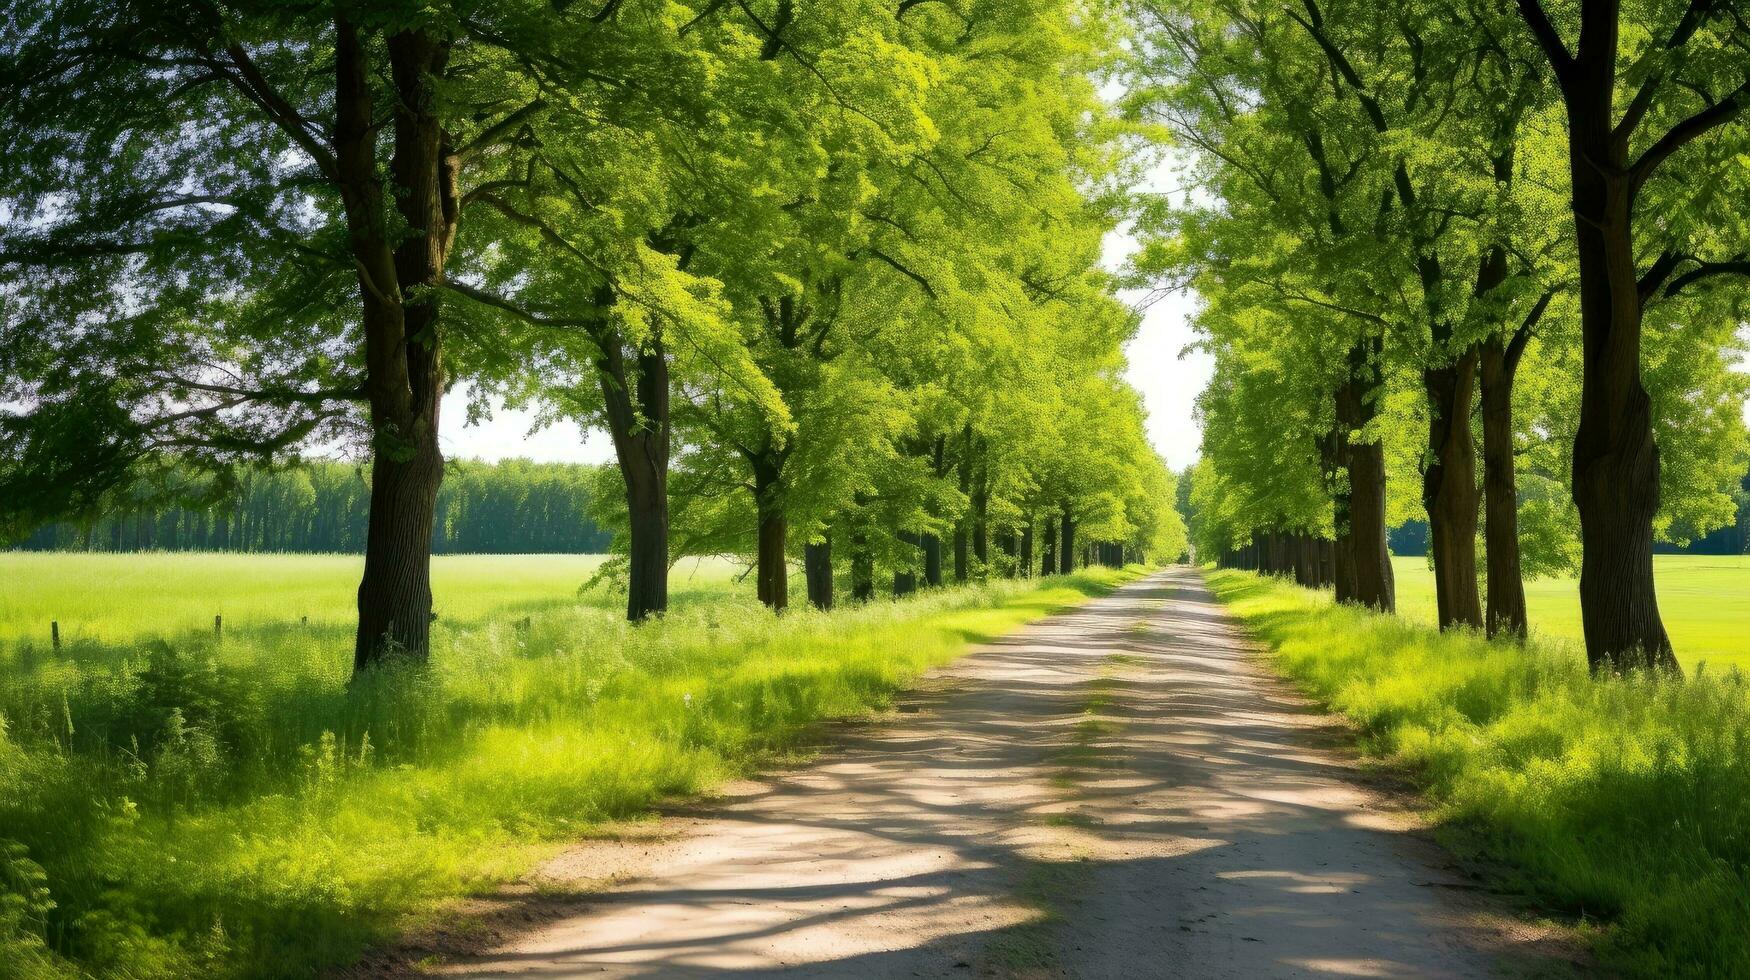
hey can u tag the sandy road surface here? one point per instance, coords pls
(1119, 791)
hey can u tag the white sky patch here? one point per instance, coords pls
(507, 435)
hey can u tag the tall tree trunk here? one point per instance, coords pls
(932, 546)
(964, 470)
(981, 518)
(817, 568)
(771, 568)
(1048, 552)
(1026, 564)
(905, 578)
(1616, 462)
(1374, 584)
(1066, 549)
(641, 434)
(400, 277)
(1506, 614)
(1449, 490)
(862, 568)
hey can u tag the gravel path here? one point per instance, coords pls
(1120, 791)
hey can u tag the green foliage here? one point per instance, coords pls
(240, 808)
(1618, 801)
(1357, 181)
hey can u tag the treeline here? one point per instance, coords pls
(1479, 265)
(510, 507)
(828, 275)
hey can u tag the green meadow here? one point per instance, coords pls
(1619, 804)
(175, 803)
(118, 597)
(1705, 600)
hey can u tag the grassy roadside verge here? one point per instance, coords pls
(195, 808)
(1625, 802)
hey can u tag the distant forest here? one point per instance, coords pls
(511, 507)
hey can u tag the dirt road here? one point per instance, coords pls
(1120, 791)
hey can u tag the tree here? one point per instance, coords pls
(1682, 71)
(233, 251)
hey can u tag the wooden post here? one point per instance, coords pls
(218, 627)
(55, 634)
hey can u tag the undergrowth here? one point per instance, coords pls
(1623, 801)
(195, 806)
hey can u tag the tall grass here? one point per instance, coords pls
(186, 805)
(1623, 801)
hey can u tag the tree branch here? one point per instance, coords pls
(1687, 131)
(1548, 38)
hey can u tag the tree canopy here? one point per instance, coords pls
(826, 274)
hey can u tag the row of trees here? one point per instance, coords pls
(1469, 260)
(512, 507)
(827, 275)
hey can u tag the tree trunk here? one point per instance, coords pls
(771, 568)
(1048, 552)
(981, 521)
(641, 436)
(1616, 462)
(932, 546)
(1506, 614)
(1026, 564)
(862, 568)
(394, 595)
(905, 579)
(1449, 491)
(400, 277)
(817, 568)
(1066, 550)
(1374, 584)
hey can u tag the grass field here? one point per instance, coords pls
(1622, 803)
(174, 804)
(117, 597)
(1705, 601)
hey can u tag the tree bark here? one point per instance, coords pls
(1374, 584)
(1026, 562)
(980, 518)
(771, 569)
(1066, 537)
(905, 580)
(400, 276)
(641, 435)
(1449, 490)
(1048, 552)
(817, 568)
(862, 568)
(1615, 462)
(1505, 615)
(932, 546)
